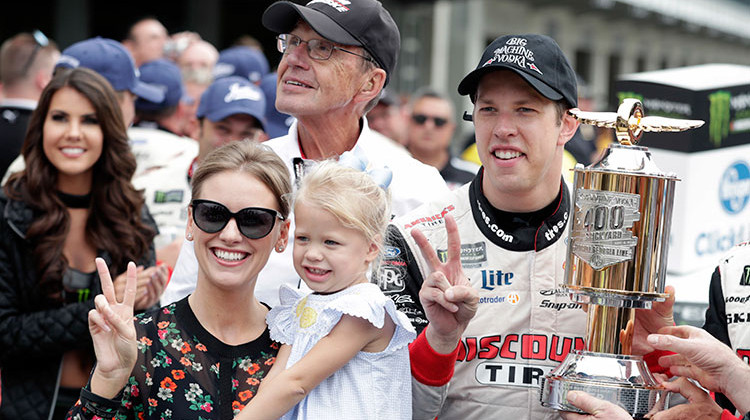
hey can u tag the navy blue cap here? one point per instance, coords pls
(232, 95)
(241, 61)
(166, 76)
(277, 123)
(113, 62)
(536, 58)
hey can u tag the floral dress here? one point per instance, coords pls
(183, 372)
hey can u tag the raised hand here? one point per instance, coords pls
(448, 299)
(700, 356)
(113, 333)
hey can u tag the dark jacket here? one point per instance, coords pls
(13, 124)
(35, 332)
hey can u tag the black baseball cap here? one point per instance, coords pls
(363, 23)
(536, 58)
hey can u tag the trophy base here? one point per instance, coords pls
(622, 380)
(614, 298)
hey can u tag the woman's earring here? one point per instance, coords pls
(189, 236)
(280, 248)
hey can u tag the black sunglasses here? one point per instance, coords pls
(421, 119)
(253, 222)
(40, 41)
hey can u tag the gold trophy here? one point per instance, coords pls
(616, 262)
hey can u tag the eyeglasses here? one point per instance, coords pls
(317, 49)
(421, 119)
(40, 41)
(253, 222)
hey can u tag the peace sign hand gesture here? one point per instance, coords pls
(448, 299)
(113, 332)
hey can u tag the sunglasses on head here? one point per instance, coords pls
(40, 41)
(421, 119)
(253, 222)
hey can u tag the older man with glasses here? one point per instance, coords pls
(26, 64)
(430, 131)
(336, 60)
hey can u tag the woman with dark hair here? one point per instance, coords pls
(72, 203)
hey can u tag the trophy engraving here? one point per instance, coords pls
(600, 234)
(616, 262)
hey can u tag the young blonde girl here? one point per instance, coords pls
(345, 346)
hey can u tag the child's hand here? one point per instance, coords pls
(448, 299)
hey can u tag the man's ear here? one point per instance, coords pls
(371, 86)
(42, 79)
(568, 128)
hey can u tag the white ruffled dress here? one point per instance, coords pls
(370, 386)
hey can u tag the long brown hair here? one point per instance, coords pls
(114, 223)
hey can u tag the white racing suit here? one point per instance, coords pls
(163, 162)
(728, 313)
(525, 324)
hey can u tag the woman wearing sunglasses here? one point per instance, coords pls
(205, 355)
(72, 203)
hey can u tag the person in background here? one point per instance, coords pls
(205, 355)
(73, 202)
(163, 153)
(26, 64)
(277, 123)
(231, 109)
(430, 132)
(388, 117)
(248, 41)
(241, 61)
(172, 114)
(112, 61)
(146, 40)
(197, 63)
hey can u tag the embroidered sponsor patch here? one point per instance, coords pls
(472, 255)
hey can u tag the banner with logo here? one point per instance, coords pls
(712, 200)
(712, 205)
(718, 94)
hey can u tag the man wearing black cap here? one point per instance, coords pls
(512, 222)
(337, 57)
(506, 240)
